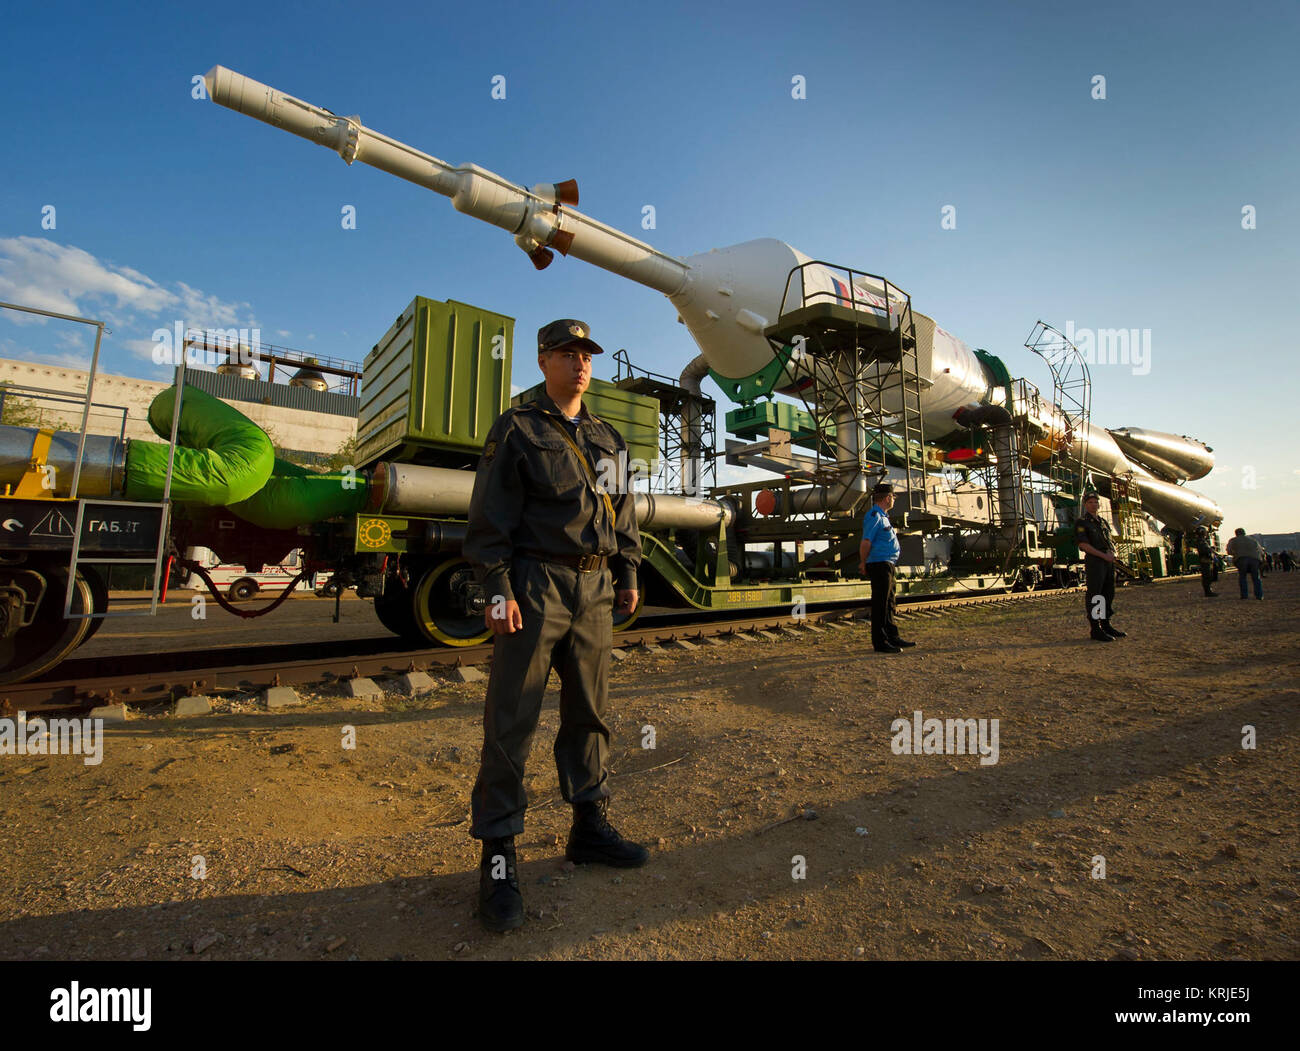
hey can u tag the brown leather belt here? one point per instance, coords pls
(582, 563)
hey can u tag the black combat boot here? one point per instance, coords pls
(500, 905)
(1099, 634)
(1113, 631)
(593, 838)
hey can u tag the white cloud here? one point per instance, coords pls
(39, 273)
(140, 348)
(36, 272)
(201, 310)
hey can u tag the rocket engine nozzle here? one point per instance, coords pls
(558, 193)
(541, 257)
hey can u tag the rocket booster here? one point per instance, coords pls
(1167, 456)
(726, 297)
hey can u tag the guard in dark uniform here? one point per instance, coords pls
(1205, 555)
(551, 517)
(1092, 534)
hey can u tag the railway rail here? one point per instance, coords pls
(150, 679)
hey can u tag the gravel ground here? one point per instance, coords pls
(781, 821)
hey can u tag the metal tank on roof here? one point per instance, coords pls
(237, 364)
(308, 376)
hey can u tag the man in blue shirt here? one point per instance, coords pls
(876, 557)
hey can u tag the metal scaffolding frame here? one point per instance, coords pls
(687, 434)
(853, 352)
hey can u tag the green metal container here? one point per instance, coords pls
(1158, 566)
(433, 385)
(754, 421)
(634, 416)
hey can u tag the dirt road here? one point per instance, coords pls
(782, 822)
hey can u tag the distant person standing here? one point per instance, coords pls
(1246, 555)
(1286, 561)
(1092, 534)
(877, 554)
(1205, 554)
(1176, 558)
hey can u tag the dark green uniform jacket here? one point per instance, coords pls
(1094, 530)
(532, 494)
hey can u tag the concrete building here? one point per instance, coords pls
(310, 426)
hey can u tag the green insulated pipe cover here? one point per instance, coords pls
(295, 496)
(222, 456)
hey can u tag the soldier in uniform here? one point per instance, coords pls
(550, 519)
(1205, 554)
(1092, 533)
(877, 554)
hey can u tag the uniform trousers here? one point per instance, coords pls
(1099, 581)
(568, 625)
(883, 628)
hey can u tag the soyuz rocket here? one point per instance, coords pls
(727, 297)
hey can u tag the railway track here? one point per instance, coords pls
(141, 680)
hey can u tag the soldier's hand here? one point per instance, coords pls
(625, 600)
(504, 619)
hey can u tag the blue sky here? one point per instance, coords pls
(1117, 213)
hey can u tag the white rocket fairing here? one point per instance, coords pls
(726, 297)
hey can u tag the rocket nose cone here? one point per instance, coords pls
(210, 79)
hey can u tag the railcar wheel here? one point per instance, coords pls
(395, 612)
(1028, 579)
(243, 588)
(448, 605)
(1065, 577)
(35, 649)
(100, 590)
